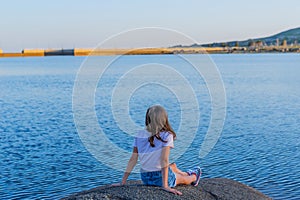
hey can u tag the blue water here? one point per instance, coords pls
(43, 157)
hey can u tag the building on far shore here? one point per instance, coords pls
(284, 43)
(1, 51)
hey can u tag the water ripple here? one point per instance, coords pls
(42, 156)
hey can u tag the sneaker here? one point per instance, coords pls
(192, 171)
(197, 171)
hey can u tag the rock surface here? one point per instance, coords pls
(213, 188)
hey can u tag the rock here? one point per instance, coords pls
(212, 188)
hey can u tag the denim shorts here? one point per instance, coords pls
(155, 178)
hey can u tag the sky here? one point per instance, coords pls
(85, 24)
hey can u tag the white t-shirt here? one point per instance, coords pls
(150, 157)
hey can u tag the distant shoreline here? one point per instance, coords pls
(151, 51)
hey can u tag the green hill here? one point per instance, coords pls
(291, 36)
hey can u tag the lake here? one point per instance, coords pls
(49, 133)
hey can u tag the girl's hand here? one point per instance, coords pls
(174, 191)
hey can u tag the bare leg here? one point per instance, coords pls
(184, 180)
(174, 168)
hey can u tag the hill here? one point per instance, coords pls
(291, 36)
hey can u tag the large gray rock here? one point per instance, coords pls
(213, 188)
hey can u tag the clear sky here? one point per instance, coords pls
(78, 23)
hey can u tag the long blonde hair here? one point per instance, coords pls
(157, 121)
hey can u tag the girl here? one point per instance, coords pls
(152, 147)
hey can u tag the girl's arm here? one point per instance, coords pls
(131, 164)
(165, 169)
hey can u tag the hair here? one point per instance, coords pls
(157, 121)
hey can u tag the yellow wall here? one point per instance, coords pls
(82, 52)
(33, 52)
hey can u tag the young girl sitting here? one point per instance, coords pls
(152, 147)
